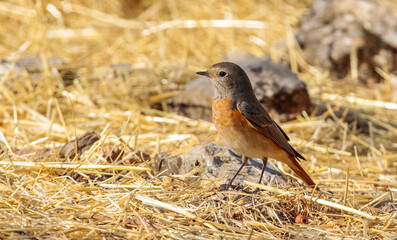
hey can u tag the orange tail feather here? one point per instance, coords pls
(300, 171)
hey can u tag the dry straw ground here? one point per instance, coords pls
(166, 42)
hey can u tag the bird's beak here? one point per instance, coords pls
(203, 73)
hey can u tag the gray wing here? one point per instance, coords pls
(263, 123)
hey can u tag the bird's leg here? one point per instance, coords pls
(264, 159)
(245, 160)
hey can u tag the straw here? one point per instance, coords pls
(121, 63)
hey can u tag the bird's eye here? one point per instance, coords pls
(222, 74)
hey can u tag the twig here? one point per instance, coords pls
(205, 24)
(157, 203)
(346, 187)
(358, 161)
(314, 199)
(39, 165)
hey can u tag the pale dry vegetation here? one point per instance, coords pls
(166, 42)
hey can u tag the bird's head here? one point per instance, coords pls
(227, 78)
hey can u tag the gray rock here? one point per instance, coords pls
(281, 92)
(218, 162)
(28, 71)
(34, 66)
(333, 27)
(195, 101)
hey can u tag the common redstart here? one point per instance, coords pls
(244, 125)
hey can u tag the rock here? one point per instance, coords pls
(134, 157)
(281, 92)
(195, 101)
(84, 142)
(218, 162)
(6, 66)
(124, 157)
(333, 28)
(112, 153)
(32, 66)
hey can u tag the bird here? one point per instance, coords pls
(244, 125)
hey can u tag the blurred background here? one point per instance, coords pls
(325, 69)
(102, 57)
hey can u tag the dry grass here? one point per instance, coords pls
(166, 42)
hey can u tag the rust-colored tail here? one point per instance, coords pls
(294, 165)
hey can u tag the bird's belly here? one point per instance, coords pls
(237, 134)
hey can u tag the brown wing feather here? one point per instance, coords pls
(282, 131)
(263, 123)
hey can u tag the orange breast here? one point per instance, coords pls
(237, 133)
(223, 114)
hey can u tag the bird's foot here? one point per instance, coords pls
(224, 187)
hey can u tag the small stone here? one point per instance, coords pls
(84, 142)
(112, 153)
(34, 66)
(136, 157)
